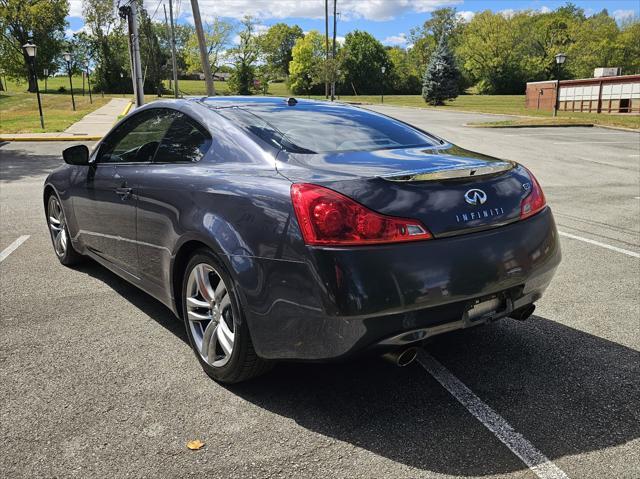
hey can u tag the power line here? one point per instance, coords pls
(156, 11)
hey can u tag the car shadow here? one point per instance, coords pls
(22, 160)
(566, 391)
(141, 300)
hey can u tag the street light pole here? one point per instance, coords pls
(382, 69)
(86, 64)
(31, 51)
(333, 54)
(67, 58)
(560, 59)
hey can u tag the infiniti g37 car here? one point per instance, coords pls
(300, 230)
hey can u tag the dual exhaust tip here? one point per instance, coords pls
(401, 357)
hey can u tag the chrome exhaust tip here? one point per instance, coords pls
(401, 357)
(523, 313)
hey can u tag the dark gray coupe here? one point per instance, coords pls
(284, 229)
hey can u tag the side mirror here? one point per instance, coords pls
(76, 155)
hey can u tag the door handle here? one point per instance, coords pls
(124, 192)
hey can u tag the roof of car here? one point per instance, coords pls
(248, 101)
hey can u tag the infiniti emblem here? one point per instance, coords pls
(475, 197)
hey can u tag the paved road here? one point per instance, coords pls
(97, 379)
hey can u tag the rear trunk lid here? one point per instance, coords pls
(451, 190)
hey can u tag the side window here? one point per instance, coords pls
(185, 142)
(137, 139)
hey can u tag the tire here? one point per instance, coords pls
(217, 330)
(59, 231)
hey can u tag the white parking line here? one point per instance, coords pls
(602, 245)
(12, 247)
(594, 142)
(527, 452)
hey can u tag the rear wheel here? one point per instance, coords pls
(215, 325)
(60, 233)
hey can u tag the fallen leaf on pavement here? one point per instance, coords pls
(195, 445)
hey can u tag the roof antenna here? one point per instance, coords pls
(291, 101)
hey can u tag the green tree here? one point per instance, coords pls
(443, 22)
(596, 45)
(440, 81)
(40, 20)
(111, 50)
(542, 37)
(152, 57)
(362, 60)
(277, 45)
(628, 48)
(217, 34)
(305, 68)
(491, 50)
(422, 47)
(182, 35)
(244, 57)
(404, 78)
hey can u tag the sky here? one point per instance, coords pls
(388, 20)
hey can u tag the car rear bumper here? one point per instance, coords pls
(347, 300)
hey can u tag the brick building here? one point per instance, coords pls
(615, 94)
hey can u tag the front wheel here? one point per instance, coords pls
(60, 233)
(213, 318)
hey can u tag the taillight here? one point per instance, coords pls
(534, 201)
(329, 218)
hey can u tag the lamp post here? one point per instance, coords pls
(382, 69)
(31, 49)
(67, 58)
(86, 65)
(560, 59)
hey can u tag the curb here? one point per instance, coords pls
(562, 125)
(126, 109)
(50, 138)
(619, 128)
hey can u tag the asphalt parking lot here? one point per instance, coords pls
(97, 378)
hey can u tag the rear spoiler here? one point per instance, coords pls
(447, 173)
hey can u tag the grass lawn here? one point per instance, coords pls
(19, 112)
(19, 109)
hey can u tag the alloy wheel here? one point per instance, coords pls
(210, 315)
(57, 226)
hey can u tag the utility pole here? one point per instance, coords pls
(166, 24)
(173, 52)
(333, 55)
(204, 56)
(137, 64)
(326, 47)
(131, 12)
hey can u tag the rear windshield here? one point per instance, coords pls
(322, 129)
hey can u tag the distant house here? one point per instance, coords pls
(222, 76)
(602, 94)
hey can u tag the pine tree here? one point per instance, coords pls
(440, 81)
